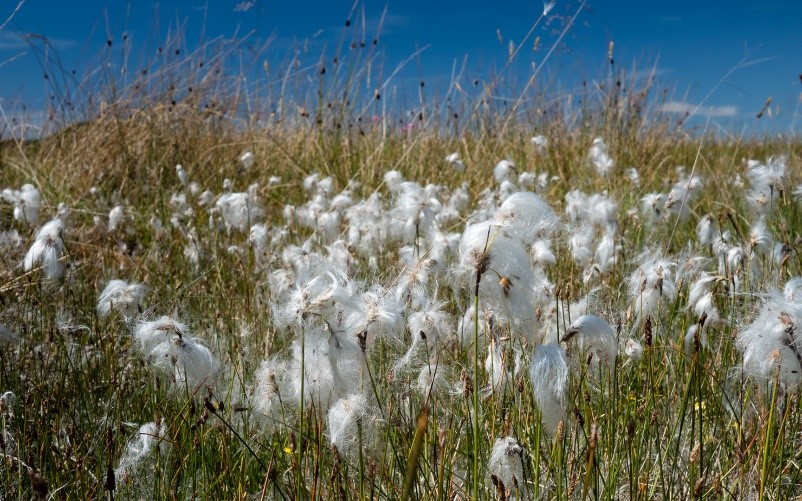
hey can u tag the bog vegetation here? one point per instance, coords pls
(483, 298)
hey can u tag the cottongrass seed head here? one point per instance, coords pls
(505, 470)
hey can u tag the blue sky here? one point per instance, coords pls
(726, 58)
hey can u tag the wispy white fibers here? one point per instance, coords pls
(597, 209)
(393, 180)
(540, 143)
(170, 347)
(7, 401)
(706, 230)
(771, 344)
(767, 183)
(353, 423)
(466, 326)
(633, 349)
(600, 158)
(454, 160)
(652, 206)
(496, 368)
(239, 210)
(116, 216)
(700, 299)
(528, 216)
(377, 315)
(246, 160)
(412, 285)
(27, 202)
(432, 382)
(649, 283)
(793, 290)
(149, 436)
(47, 250)
(414, 212)
(595, 336)
(507, 280)
(324, 368)
(321, 293)
(266, 399)
(121, 296)
(549, 373)
(429, 327)
(505, 470)
(504, 171)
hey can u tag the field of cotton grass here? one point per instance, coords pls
(539, 310)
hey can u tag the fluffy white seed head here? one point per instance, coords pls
(246, 160)
(528, 216)
(121, 296)
(148, 437)
(504, 171)
(505, 470)
(633, 349)
(27, 202)
(549, 373)
(116, 217)
(594, 335)
(455, 161)
(47, 250)
(343, 419)
(239, 210)
(600, 158)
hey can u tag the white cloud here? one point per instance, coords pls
(683, 108)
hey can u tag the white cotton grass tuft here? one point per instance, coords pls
(651, 285)
(47, 250)
(344, 419)
(121, 296)
(332, 369)
(529, 216)
(182, 174)
(505, 470)
(116, 217)
(377, 315)
(246, 160)
(549, 374)
(652, 206)
(27, 202)
(600, 158)
(496, 368)
(415, 211)
(7, 402)
(594, 336)
(505, 170)
(540, 143)
(432, 381)
(147, 439)
(393, 180)
(429, 327)
(793, 290)
(507, 282)
(706, 230)
(266, 397)
(239, 210)
(172, 349)
(767, 182)
(455, 161)
(771, 344)
(633, 349)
